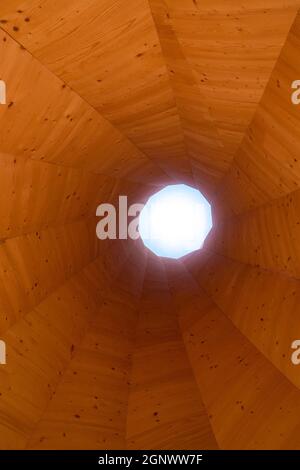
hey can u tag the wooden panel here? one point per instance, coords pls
(45, 120)
(250, 404)
(88, 410)
(36, 195)
(266, 237)
(33, 265)
(232, 47)
(80, 42)
(267, 165)
(39, 374)
(261, 304)
(39, 346)
(165, 410)
(209, 157)
(129, 279)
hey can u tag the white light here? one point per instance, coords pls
(175, 221)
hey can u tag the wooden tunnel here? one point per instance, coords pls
(107, 345)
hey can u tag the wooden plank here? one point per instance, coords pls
(165, 410)
(261, 304)
(129, 85)
(45, 120)
(250, 404)
(88, 410)
(267, 164)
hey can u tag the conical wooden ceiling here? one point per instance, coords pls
(107, 345)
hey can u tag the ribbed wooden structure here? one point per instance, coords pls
(108, 346)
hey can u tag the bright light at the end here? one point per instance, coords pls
(175, 221)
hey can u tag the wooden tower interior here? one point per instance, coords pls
(108, 345)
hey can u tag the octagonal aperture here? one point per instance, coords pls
(175, 221)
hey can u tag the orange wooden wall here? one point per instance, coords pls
(108, 346)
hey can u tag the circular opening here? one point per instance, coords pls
(175, 221)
